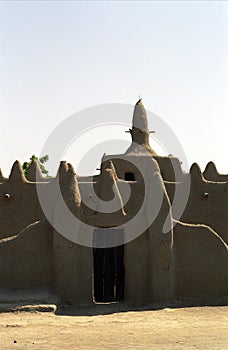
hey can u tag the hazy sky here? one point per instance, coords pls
(59, 57)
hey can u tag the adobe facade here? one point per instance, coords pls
(187, 262)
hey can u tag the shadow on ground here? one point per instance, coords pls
(112, 308)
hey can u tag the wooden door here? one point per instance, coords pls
(108, 266)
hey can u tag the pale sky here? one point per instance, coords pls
(57, 58)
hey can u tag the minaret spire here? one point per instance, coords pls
(140, 131)
(140, 121)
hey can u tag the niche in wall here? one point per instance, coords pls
(129, 177)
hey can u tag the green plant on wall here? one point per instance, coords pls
(41, 162)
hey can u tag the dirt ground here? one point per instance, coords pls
(183, 328)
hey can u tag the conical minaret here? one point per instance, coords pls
(140, 131)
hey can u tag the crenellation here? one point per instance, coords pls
(17, 175)
(2, 178)
(211, 173)
(196, 174)
(34, 172)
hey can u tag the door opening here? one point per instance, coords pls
(108, 267)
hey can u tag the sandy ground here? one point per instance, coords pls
(184, 328)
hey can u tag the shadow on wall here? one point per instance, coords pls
(201, 263)
(26, 259)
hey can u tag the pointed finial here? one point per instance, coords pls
(62, 171)
(211, 167)
(195, 172)
(68, 183)
(34, 172)
(140, 117)
(1, 176)
(71, 190)
(139, 100)
(17, 173)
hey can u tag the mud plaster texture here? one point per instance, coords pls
(188, 262)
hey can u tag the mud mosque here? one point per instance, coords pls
(188, 263)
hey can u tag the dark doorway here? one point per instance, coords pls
(108, 264)
(129, 177)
